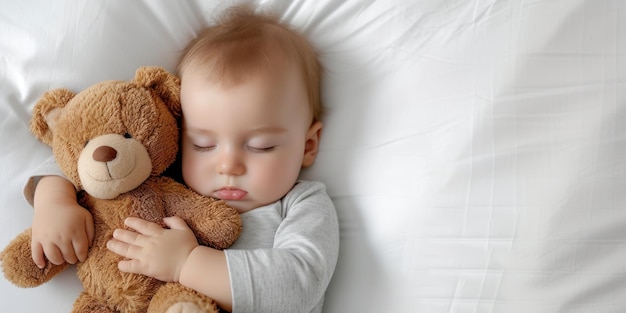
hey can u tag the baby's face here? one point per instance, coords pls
(246, 143)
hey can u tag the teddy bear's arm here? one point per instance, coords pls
(19, 267)
(214, 223)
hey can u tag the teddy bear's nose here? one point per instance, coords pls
(104, 154)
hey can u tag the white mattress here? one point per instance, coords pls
(475, 150)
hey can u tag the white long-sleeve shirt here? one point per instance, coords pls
(285, 256)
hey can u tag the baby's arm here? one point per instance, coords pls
(62, 229)
(173, 254)
(206, 271)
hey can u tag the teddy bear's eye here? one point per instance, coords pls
(127, 135)
(86, 143)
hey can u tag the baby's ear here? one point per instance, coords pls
(165, 84)
(46, 113)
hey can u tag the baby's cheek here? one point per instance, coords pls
(283, 174)
(190, 172)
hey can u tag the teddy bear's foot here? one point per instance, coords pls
(176, 298)
(184, 307)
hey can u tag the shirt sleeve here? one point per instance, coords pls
(294, 274)
(47, 168)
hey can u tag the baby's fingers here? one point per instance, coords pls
(126, 236)
(120, 248)
(131, 266)
(89, 228)
(36, 250)
(54, 255)
(81, 248)
(124, 244)
(143, 226)
(68, 253)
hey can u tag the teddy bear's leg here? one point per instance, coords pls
(18, 265)
(176, 298)
(88, 304)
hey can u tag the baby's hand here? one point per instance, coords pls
(61, 232)
(153, 250)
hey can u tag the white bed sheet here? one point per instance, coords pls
(475, 150)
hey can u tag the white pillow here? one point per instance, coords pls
(474, 149)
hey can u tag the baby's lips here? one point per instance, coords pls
(230, 194)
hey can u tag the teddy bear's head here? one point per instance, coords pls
(112, 136)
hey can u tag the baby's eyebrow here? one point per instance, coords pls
(259, 130)
(269, 129)
(196, 131)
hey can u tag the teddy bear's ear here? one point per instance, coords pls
(46, 113)
(165, 84)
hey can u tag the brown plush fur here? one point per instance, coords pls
(138, 119)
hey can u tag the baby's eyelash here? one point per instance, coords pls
(201, 148)
(265, 149)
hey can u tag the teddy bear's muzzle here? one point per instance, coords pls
(113, 164)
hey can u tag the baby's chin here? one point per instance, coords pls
(240, 206)
(243, 206)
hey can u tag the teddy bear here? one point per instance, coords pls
(113, 141)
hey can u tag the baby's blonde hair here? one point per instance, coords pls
(244, 43)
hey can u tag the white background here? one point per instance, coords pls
(475, 150)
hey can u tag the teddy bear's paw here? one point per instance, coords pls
(18, 266)
(184, 307)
